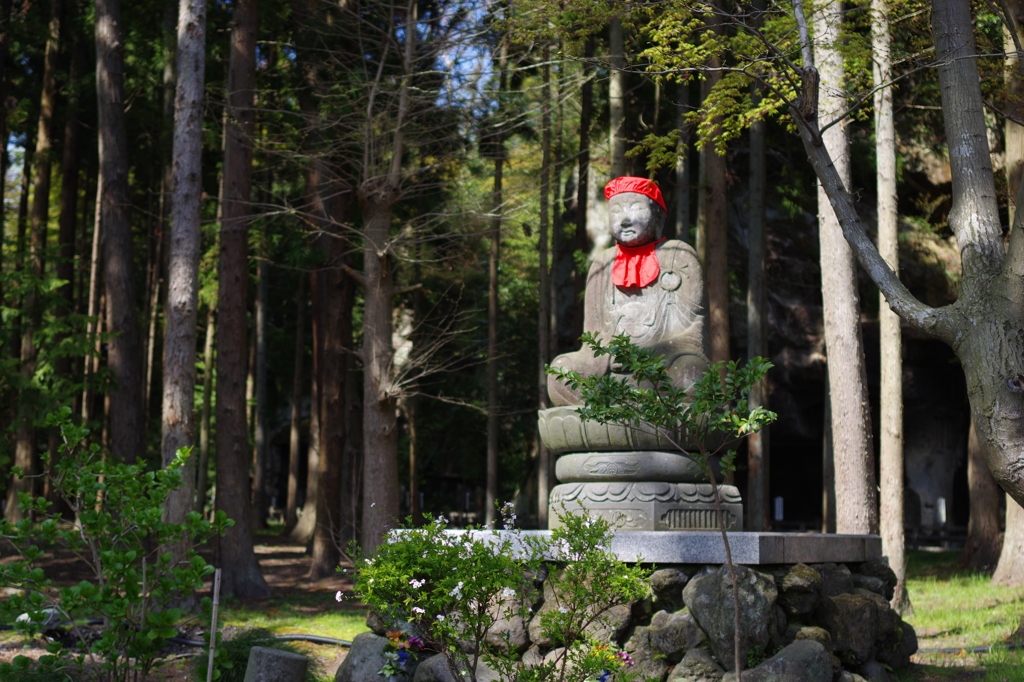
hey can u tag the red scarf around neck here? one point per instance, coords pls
(636, 266)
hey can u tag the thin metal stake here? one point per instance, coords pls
(213, 623)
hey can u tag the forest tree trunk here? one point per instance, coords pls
(856, 496)
(543, 291)
(260, 494)
(716, 230)
(179, 362)
(334, 301)
(495, 147)
(891, 470)
(380, 426)
(295, 432)
(242, 576)
(581, 243)
(27, 403)
(758, 472)
(204, 419)
(616, 100)
(1010, 570)
(124, 353)
(984, 536)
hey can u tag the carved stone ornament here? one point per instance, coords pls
(642, 465)
(649, 505)
(562, 430)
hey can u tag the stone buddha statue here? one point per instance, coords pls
(651, 289)
(645, 286)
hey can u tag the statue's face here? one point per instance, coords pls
(634, 219)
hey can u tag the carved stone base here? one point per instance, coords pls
(641, 465)
(562, 430)
(648, 505)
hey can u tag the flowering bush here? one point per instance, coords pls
(452, 588)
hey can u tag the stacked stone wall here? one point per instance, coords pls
(815, 623)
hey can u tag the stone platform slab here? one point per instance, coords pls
(706, 547)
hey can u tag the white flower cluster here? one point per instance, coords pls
(456, 591)
(417, 584)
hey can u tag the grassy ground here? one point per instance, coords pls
(956, 609)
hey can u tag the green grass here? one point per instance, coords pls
(297, 613)
(954, 608)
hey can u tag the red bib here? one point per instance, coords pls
(636, 266)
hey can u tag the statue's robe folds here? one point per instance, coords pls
(667, 316)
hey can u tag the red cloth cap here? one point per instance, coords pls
(639, 185)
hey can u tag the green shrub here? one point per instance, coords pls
(121, 534)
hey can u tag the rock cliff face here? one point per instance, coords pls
(811, 623)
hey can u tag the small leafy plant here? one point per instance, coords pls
(119, 531)
(712, 414)
(452, 588)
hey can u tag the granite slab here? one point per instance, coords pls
(706, 547)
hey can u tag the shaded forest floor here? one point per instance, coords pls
(953, 609)
(296, 605)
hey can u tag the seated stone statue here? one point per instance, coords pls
(645, 286)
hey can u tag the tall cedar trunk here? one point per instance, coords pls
(377, 198)
(716, 230)
(616, 100)
(20, 239)
(124, 354)
(24, 446)
(67, 232)
(334, 299)
(380, 428)
(984, 536)
(496, 146)
(856, 496)
(561, 273)
(241, 571)
(581, 243)
(303, 531)
(492, 353)
(890, 339)
(757, 319)
(204, 420)
(683, 165)
(92, 306)
(66, 237)
(828, 469)
(260, 496)
(158, 229)
(543, 291)
(154, 269)
(179, 362)
(306, 520)
(295, 426)
(1010, 570)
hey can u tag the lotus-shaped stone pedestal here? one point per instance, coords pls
(634, 477)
